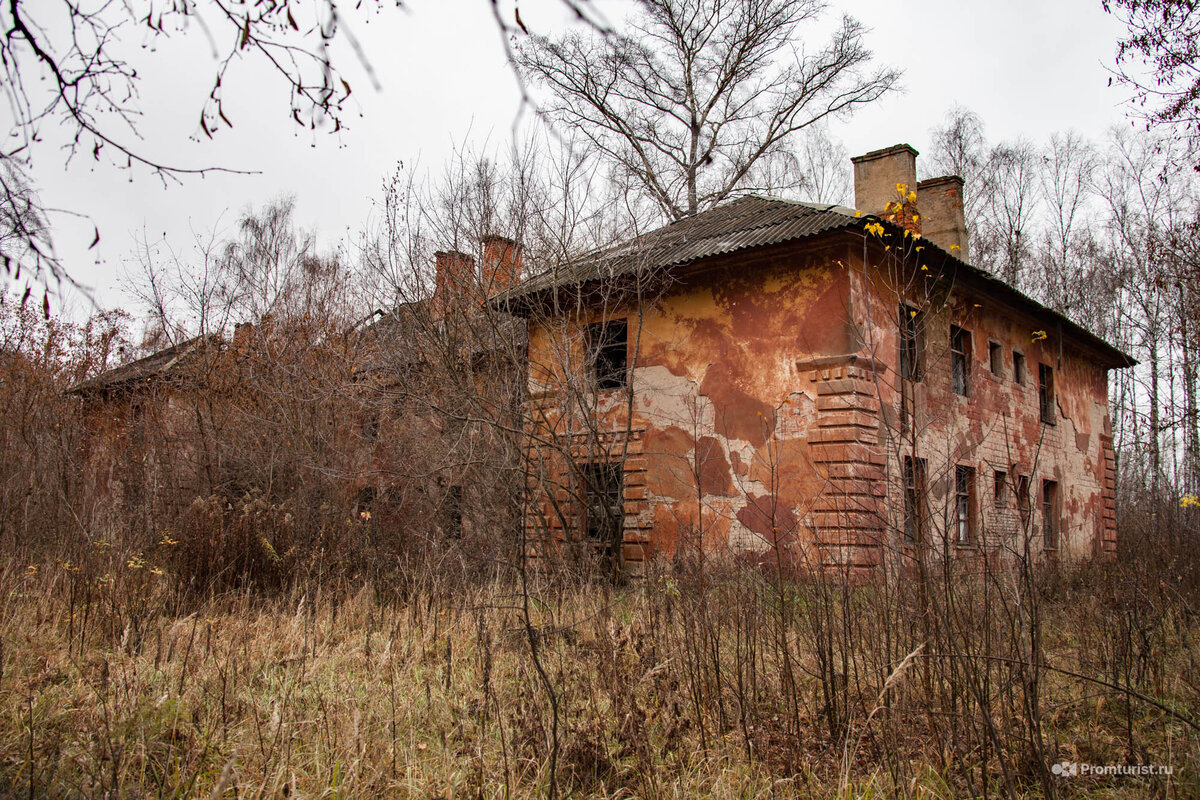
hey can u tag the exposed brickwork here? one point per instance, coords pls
(885, 184)
(502, 263)
(941, 204)
(1108, 533)
(454, 280)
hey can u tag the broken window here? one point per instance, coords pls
(1050, 522)
(1000, 488)
(996, 358)
(608, 343)
(603, 505)
(1046, 393)
(912, 343)
(1019, 368)
(914, 497)
(960, 359)
(1023, 497)
(964, 504)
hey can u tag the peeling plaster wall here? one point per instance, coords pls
(997, 426)
(722, 445)
(763, 415)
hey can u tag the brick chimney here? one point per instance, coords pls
(885, 184)
(454, 279)
(941, 202)
(502, 258)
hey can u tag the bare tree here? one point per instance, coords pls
(703, 97)
(1012, 206)
(960, 148)
(270, 270)
(1161, 36)
(822, 165)
(67, 64)
(24, 238)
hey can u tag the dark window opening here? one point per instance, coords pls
(1000, 489)
(1023, 497)
(604, 506)
(914, 498)
(608, 343)
(1046, 393)
(964, 504)
(912, 344)
(960, 359)
(1050, 523)
(996, 358)
(1019, 368)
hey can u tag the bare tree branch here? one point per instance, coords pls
(703, 97)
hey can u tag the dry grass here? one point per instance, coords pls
(113, 690)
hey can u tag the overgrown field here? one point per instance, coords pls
(722, 681)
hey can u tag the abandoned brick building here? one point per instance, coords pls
(376, 416)
(833, 387)
(810, 383)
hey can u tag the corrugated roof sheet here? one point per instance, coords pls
(751, 221)
(155, 364)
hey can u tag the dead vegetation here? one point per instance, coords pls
(726, 681)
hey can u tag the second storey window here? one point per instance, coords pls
(1000, 488)
(1019, 368)
(1046, 393)
(912, 345)
(960, 360)
(996, 358)
(608, 344)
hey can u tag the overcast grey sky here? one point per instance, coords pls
(1028, 68)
